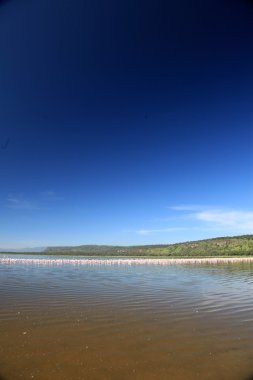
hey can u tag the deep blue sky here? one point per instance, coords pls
(125, 122)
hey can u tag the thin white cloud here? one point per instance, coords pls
(20, 203)
(240, 220)
(39, 201)
(206, 218)
(188, 207)
(146, 232)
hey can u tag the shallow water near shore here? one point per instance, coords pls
(138, 321)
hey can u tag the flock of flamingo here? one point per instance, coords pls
(122, 261)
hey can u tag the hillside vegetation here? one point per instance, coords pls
(222, 246)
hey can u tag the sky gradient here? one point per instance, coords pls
(125, 122)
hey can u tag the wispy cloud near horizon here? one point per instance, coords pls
(206, 218)
(234, 219)
(149, 232)
(186, 207)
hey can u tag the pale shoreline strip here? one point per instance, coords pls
(123, 261)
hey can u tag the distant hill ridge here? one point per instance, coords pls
(220, 246)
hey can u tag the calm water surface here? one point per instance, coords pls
(121, 322)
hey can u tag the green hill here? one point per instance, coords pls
(222, 246)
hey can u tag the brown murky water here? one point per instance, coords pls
(121, 322)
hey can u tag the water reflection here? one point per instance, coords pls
(126, 321)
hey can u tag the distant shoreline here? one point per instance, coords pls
(230, 246)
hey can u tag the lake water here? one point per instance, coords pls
(121, 322)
